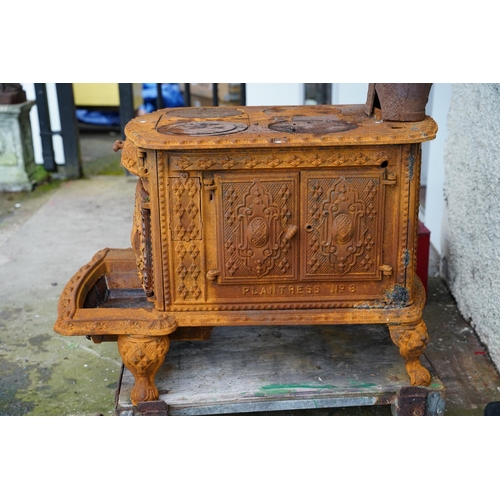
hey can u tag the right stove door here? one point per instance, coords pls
(349, 235)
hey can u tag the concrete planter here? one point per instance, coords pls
(18, 171)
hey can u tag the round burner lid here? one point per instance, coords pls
(202, 128)
(312, 125)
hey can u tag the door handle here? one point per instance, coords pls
(290, 232)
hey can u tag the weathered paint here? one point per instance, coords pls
(406, 258)
(411, 164)
(355, 383)
(290, 388)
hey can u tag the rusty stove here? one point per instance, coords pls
(259, 216)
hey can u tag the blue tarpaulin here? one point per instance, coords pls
(170, 92)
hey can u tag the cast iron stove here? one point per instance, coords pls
(297, 215)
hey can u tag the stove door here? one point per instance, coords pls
(348, 232)
(343, 218)
(257, 222)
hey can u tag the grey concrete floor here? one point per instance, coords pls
(47, 235)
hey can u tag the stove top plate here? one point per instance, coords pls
(203, 128)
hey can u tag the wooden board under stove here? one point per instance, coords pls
(266, 369)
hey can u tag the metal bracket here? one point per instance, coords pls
(212, 274)
(411, 401)
(209, 184)
(390, 179)
(386, 270)
(152, 408)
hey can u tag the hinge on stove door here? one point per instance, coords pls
(209, 184)
(212, 274)
(386, 270)
(390, 179)
(143, 168)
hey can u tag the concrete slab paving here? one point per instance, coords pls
(44, 373)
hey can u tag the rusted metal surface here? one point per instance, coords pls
(203, 128)
(401, 102)
(204, 113)
(260, 216)
(152, 408)
(143, 131)
(411, 402)
(127, 311)
(312, 125)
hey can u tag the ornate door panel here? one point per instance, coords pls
(343, 218)
(257, 219)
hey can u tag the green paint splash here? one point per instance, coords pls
(290, 388)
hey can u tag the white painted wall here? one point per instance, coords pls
(275, 94)
(349, 93)
(55, 123)
(471, 248)
(433, 158)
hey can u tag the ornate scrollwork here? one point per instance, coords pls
(141, 239)
(342, 225)
(258, 224)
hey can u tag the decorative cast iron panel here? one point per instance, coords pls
(185, 208)
(344, 225)
(187, 270)
(258, 222)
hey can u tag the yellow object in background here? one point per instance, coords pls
(103, 94)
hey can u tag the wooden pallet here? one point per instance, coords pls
(269, 369)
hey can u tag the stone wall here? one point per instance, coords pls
(471, 229)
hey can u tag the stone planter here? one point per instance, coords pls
(18, 171)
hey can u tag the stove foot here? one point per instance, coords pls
(412, 340)
(143, 356)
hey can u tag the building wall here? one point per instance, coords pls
(433, 164)
(471, 242)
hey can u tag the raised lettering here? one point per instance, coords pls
(334, 288)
